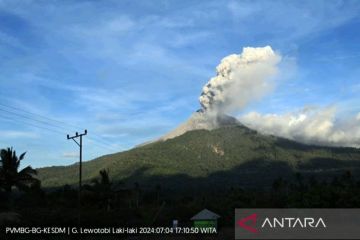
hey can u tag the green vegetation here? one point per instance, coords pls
(229, 156)
(153, 184)
(105, 202)
(139, 207)
(10, 176)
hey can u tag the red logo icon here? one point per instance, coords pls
(245, 225)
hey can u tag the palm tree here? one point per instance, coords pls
(9, 171)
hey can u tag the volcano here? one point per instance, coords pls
(202, 120)
(214, 152)
(211, 150)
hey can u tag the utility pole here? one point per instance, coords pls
(77, 135)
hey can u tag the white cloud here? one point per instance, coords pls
(146, 51)
(17, 134)
(70, 155)
(310, 125)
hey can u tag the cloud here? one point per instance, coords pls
(17, 134)
(124, 61)
(70, 155)
(310, 125)
(105, 29)
(291, 22)
(241, 79)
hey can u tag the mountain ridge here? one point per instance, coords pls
(197, 155)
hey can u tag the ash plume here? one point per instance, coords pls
(240, 79)
(249, 76)
(318, 126)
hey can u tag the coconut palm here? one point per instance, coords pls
(9, 171)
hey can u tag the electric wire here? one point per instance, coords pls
(62, 133)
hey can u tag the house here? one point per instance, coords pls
(205, 219)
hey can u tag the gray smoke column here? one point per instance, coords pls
(240, 79)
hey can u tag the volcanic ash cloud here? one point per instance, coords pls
(240, 79)
(311, 126)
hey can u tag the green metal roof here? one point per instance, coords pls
(205, 215)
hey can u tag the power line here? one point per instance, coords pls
(51, 119)
(99, 144)
(31, 124)
(26, 117)
(94, 141)
(98, 139)
(35, 114)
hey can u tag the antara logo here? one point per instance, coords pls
(291, 222)
(249, 223)
(243, 223)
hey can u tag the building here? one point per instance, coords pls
(205, 219)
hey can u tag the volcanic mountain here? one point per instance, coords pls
(211, 152)
(202, 120)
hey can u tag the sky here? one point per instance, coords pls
(130, 71)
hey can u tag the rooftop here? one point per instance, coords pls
(205, 215)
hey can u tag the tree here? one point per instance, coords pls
(9, 171)
(103, 187)
(104, 184)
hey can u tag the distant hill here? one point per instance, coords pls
(231, 155)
